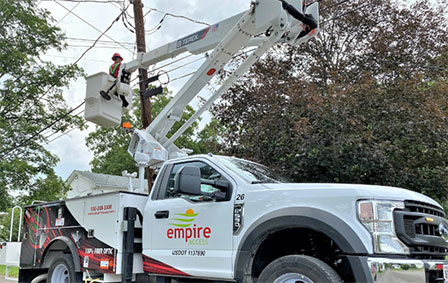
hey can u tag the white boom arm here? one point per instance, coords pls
(266, 23)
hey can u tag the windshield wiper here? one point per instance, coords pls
(263, 182)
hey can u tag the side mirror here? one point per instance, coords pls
(188, 181)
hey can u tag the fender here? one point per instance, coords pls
(71, 246)
(300, 217)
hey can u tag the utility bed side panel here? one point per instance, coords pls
(99, 214)
(93, 224)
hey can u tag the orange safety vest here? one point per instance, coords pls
(114, 68)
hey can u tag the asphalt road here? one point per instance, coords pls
(400, 277)
(3, 280)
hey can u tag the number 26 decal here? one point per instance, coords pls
(240, 196)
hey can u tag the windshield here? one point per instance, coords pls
(252, 172)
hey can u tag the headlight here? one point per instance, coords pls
(378, 217)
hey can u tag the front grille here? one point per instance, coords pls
(427, 229)
(409, 227)
(426, 208)
(418, 227)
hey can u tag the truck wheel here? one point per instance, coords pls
(62, 270)
(298, 269)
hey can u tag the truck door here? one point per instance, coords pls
(190, 235)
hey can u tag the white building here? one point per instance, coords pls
(84, 183)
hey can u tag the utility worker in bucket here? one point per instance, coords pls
(113, 71)
(115, 67)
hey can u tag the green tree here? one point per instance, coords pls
(51, 188)
(109, 145)
(364, 102)
(30, 95)
(209, 138)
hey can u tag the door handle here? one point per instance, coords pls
(162, 214)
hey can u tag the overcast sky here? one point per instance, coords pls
(91, 20)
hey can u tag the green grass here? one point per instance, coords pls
(13, 271)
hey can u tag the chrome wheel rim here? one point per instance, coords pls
(60, 274)
(293, 278)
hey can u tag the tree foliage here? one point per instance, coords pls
(50, 188)
(364, 102)
(30, 94)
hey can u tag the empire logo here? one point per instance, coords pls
(185, 229)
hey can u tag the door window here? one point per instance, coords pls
(207, 173)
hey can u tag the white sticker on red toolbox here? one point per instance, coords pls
(104, 264)
(86, 262)
(59, 222)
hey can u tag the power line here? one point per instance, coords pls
(94, 26)
(173, 62)
(99, 41)
(85, 59)
(84, 46)
(186, 64)
(103, 33)
(77, 4)
(125, 19)
(63, 134)
(175, 68)
(60, 136)
(8, 151)
(181, 66)
(181, 77)
(176, 16)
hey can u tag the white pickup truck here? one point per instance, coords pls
(227, 219)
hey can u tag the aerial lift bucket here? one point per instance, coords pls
(106, 113)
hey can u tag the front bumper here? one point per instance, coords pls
(406, 270)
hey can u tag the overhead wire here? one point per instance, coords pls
(127, 24)
(176, 16)
(185, 65)
(99, 41)
(175, 68)
(84, 46)
(8, 151)
(181, 66)
(181, 77)
(56, 1)
(68, 13)
(84, 59)
(103, 33)
(63, 134)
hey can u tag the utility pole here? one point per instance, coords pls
(143, 74)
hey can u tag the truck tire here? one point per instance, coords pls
(298, 268)
(62, 270)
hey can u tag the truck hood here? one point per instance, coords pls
(360, 191)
